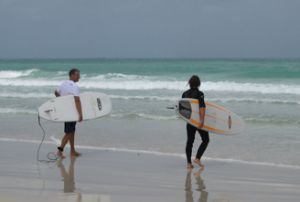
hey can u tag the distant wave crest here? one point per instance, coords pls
(8, 74)
(17, 111)
(251, 87)
(162, 98)
(118, 81)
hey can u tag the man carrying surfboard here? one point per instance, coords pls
(194, 93)
(70, 87)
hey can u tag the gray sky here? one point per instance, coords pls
(150, 28)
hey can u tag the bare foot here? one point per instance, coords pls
(59, 154)
(198, 162)
(75, 154)
(190, 165)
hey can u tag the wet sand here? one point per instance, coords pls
(109, 176)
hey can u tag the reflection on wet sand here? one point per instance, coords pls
(201, 187)
(68, 178)
(69, 184)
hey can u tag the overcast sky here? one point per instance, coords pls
(150, 28)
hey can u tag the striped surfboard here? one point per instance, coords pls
(217, 120)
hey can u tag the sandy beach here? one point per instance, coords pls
(105, 175)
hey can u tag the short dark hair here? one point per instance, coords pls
(194, 81)
(73, 71)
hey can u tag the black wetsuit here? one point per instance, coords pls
(191, 130)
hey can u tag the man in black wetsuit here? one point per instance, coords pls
(194, 93)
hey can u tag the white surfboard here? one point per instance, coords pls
(217, 120)
(63, 109)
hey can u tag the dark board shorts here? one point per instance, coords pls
(70, 127)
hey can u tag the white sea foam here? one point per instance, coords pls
(133, 85)
(272, 120)
(137, 97)
(29, 82)
(251, 87)
(118, 76)
(17, 111)
(208, 99)
(27, 95)
(6, 74)
(143, 116)
(159, 98)
(155, 117)
(142, 84)
(255, 100)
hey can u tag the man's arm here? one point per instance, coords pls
(78, 106)
(202, 114)
(56, 94)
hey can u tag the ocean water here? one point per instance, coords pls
(265, 93)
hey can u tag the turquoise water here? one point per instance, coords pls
(264, 92)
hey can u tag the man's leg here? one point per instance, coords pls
(205, 140)
(64, 141)
(191, 130)
(72, 145)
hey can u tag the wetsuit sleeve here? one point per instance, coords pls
(201, 100)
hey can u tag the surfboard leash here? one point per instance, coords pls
(51, 159)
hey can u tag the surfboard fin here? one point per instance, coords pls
(185, 109)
